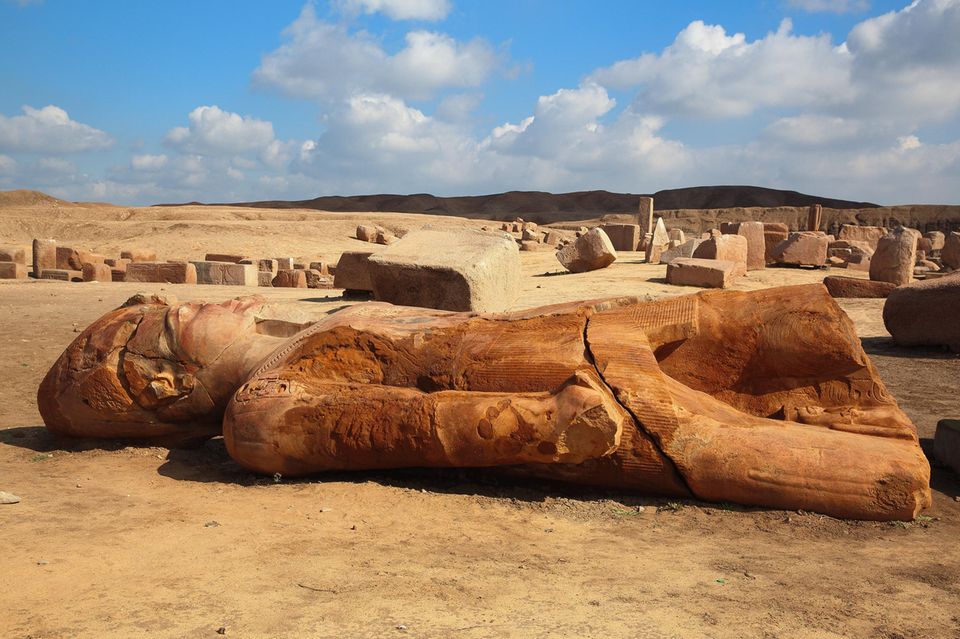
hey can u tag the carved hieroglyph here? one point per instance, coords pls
(762, 398)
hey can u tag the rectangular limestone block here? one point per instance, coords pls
(268, 265)
(805, 248)
(645, 216)
(117, 263)
(44, 256)
(284, 263)
(705, 273)
(756, 242)
(869, 234)
(168, 272)
(353, 271)
(96, 273)
(16, 254)
(13, 271)
(118, 275)
(946, 443)
(728, 248)
(226, 273)
(773, 234)
(624, 237)
(74, 259)
(462, 270)
(63, 275)
(265, 278)
(291, 278)
(321, 266)
(223, 257)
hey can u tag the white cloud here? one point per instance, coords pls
(399, 9)
(813, 130)
(148, 162)
(324, 61)
(7, 164)
(56, 165)
(49, 129)
(213, 131)
(831, 6)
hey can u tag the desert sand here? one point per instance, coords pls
(113, 539)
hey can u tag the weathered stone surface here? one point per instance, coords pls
(292, 278)
(936, 238)
(687, 249)
(8, 498)
(62, 275)
(44, 256)
(856, 287)
(925, 313)
(73, 259)
(168, 272)
(284, 263)
(532, 245)
(265, 278)
(118, 275)
(16, 254)
(773, 234)
(756, 242)
(226, 273)
(575, 389)
(321, 266)
(806, 248)
(645, 216)
(222, 257)
(946, 443)
(118, 263)
(316, 279)
(139, 255)
(929, 265)
(677, 235)
(895, 257)
(463, 270)
(353, 272)
(12, 271)
(96, 273)
(623, 237)
(727, 248)
(814, 217)
(950, 253)
(657, 242)
(691, 271)
(589, 252)
(366, 233)
(869, 234)
(924, 246)
(263, 265)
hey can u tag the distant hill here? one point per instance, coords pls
(24, 197)
(542, 207)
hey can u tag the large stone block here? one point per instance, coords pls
(353, 272)
(937, 239)
(290, 278)
(727, 248)
(773, 234)
(161, 272)
(265, 278)
(946, 443)
(464, 270)
(756, 242)
(869, 234)
(223, 257)
(589, 252)
(645, 216)
(895, 257)
(44, 256)
(16, 254)
(691, 271)
(13, 271)
(805, 248)
(856, 287)
(687, 249)
(226, 273)
(624, 237)
(284, 263)
(96, 273)
(269, 265)
(925, 313)
(73, 259)
(317, 279)
(950, 253)
(62, 275)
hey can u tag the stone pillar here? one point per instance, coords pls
(814, 217)
(645, 216)
(44, 256)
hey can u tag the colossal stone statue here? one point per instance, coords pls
(762, 398)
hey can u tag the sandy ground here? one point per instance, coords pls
(113, 541)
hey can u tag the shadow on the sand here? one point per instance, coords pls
(885, 346)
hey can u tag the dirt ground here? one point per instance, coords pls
(112, 540)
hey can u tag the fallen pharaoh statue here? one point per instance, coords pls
(762, 398)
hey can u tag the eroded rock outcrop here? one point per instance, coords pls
(925, 313)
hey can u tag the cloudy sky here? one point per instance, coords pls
(231, 100)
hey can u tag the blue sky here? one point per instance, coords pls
(141, 102)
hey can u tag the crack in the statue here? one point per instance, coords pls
(652, 437)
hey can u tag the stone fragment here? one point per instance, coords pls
(366, 233)
(706, 273)
(16, 254)
(119, 263)
(44, 256)
(8, 498)
(687, 249)
(727, 248)
(118, 275)
(531, 235)
(869, 234)
(946, 443)
(950, 253)
(224, 273)
(284, 263)
(814, 217)
(623, 237)
(353, 271)
(265, 278)
(167, 272)
(929, 265)
(936, 238)
(677, 235)
(925, 313)
(62, 275)
(292, 278)
(645, 216)
(463, 270)
(269, 265)
(589, 252)
(222, 257)
(13, 271)
(533, 245)
(96, 273)
(756, 241)
(316, 279)
(895, 257)
(139, 255)
(805, 248)
(924, 246)
(658, 242)
(73, 259)
(385, 237)
(321, 266)
(856, 287)
(773, 234)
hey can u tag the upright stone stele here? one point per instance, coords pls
(645, 216)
